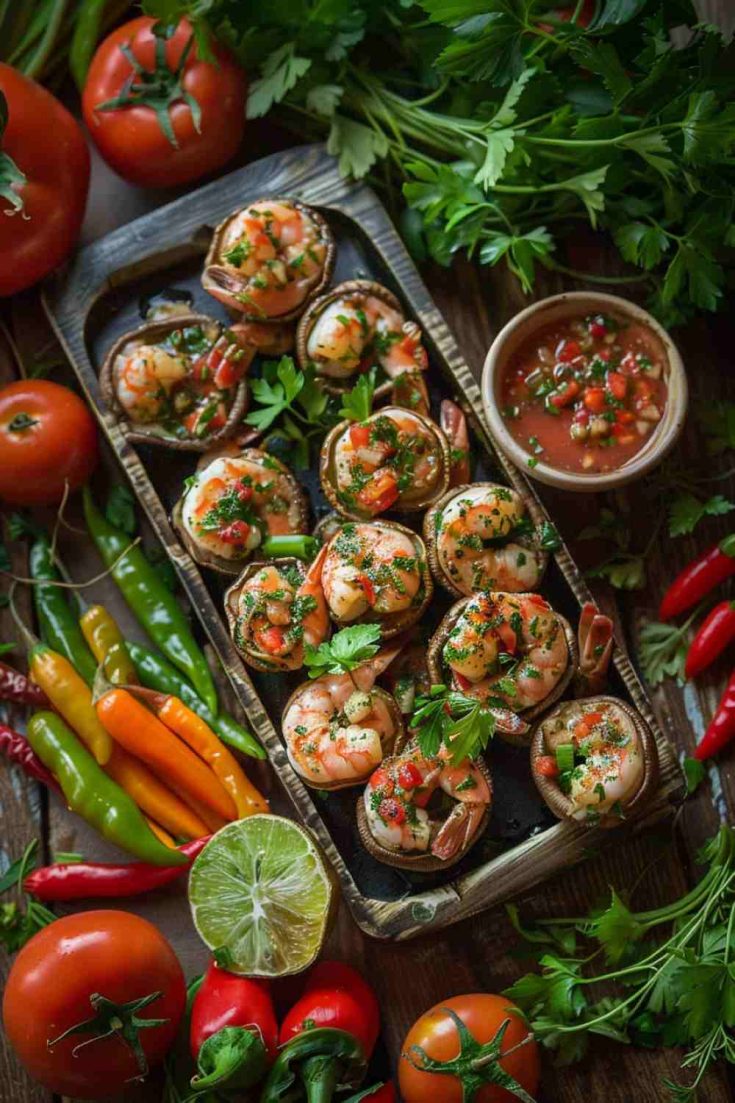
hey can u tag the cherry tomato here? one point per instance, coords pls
(436, 1034)
(59, 976)
(196, 131)
(36, 238)
(47, 437)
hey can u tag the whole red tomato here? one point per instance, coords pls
(172, 118)
(47, 437)
(495, 1027)
(44, 178)
(87, 965)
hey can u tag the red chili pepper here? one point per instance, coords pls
(701, 576)
(14, 686)
(84, 880)
(713, 636)
(335, 996)
(233, 1032)
(722, 725)
(16, 748)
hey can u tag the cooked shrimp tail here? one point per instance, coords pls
(454, 426)
(595, 651)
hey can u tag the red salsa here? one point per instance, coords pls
(585, 393)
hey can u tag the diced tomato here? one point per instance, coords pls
(569, 350)
(617, 384)
(243, 490)
(228, 373)
(409, 775)
(624, 417)
(597, 330)
(603, 354)
(643, 388)
(359, 436)
(462, 682)
(380, 780)
(236, 533)
(392, 811)
(367, 588)
(200, 368)
(380, 492)
(566, 395)
(594, 399)
(536, 599)
(546, 766)
(271, 639)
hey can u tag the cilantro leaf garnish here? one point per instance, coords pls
(460, 723)
(357, 404)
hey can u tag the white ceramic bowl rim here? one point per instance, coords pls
(549, 310)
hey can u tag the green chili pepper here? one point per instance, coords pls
(319, 1059)
(58, 625)
(152, 603)
(93, 795)
(157, 673)
(84, 40)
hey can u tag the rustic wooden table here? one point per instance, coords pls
(473, 955)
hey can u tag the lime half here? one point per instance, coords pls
(262, 896)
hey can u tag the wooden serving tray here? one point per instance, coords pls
(99, 297)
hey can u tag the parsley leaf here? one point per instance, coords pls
(686, 511)
(347, 649)
(357, 404)
(663, 651)
(624, 571)
(450, 719)
(281, 71)
(357, 146)
(279, 385)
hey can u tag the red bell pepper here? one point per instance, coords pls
(327, 1037)
(697, 579)
(14, 686)
(713, 636)
(721, 727)
(84, 880)
(233, 1032)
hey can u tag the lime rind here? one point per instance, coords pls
(261, 894)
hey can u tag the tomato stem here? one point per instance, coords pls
(118, 1020)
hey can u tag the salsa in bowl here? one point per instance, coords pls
(584, 391)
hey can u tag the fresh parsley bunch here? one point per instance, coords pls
(507, 123)
(677, 991)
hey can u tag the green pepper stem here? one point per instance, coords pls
(320, 1075)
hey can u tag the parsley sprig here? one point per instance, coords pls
(444, 717)
(679, 991)
(506, 126)
(347, 649)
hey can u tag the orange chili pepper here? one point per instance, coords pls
(142, 734)
(152, 796)
(213, 821)
(202, 740)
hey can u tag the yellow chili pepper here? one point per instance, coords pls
(105, 641)
(71, 697)
(161, 835)
(200, 737)
(153, 797)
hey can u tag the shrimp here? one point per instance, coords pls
(454, 426)
(360, 324)
(234, 502)
(391, 456)
(270, 256)
(484, 541)
(278, 613)
(510, 647)
(595, 650)
(145, 378)
(268, 338)
(338, 727)
(610, 766)
(398, 792)
(371, 568)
